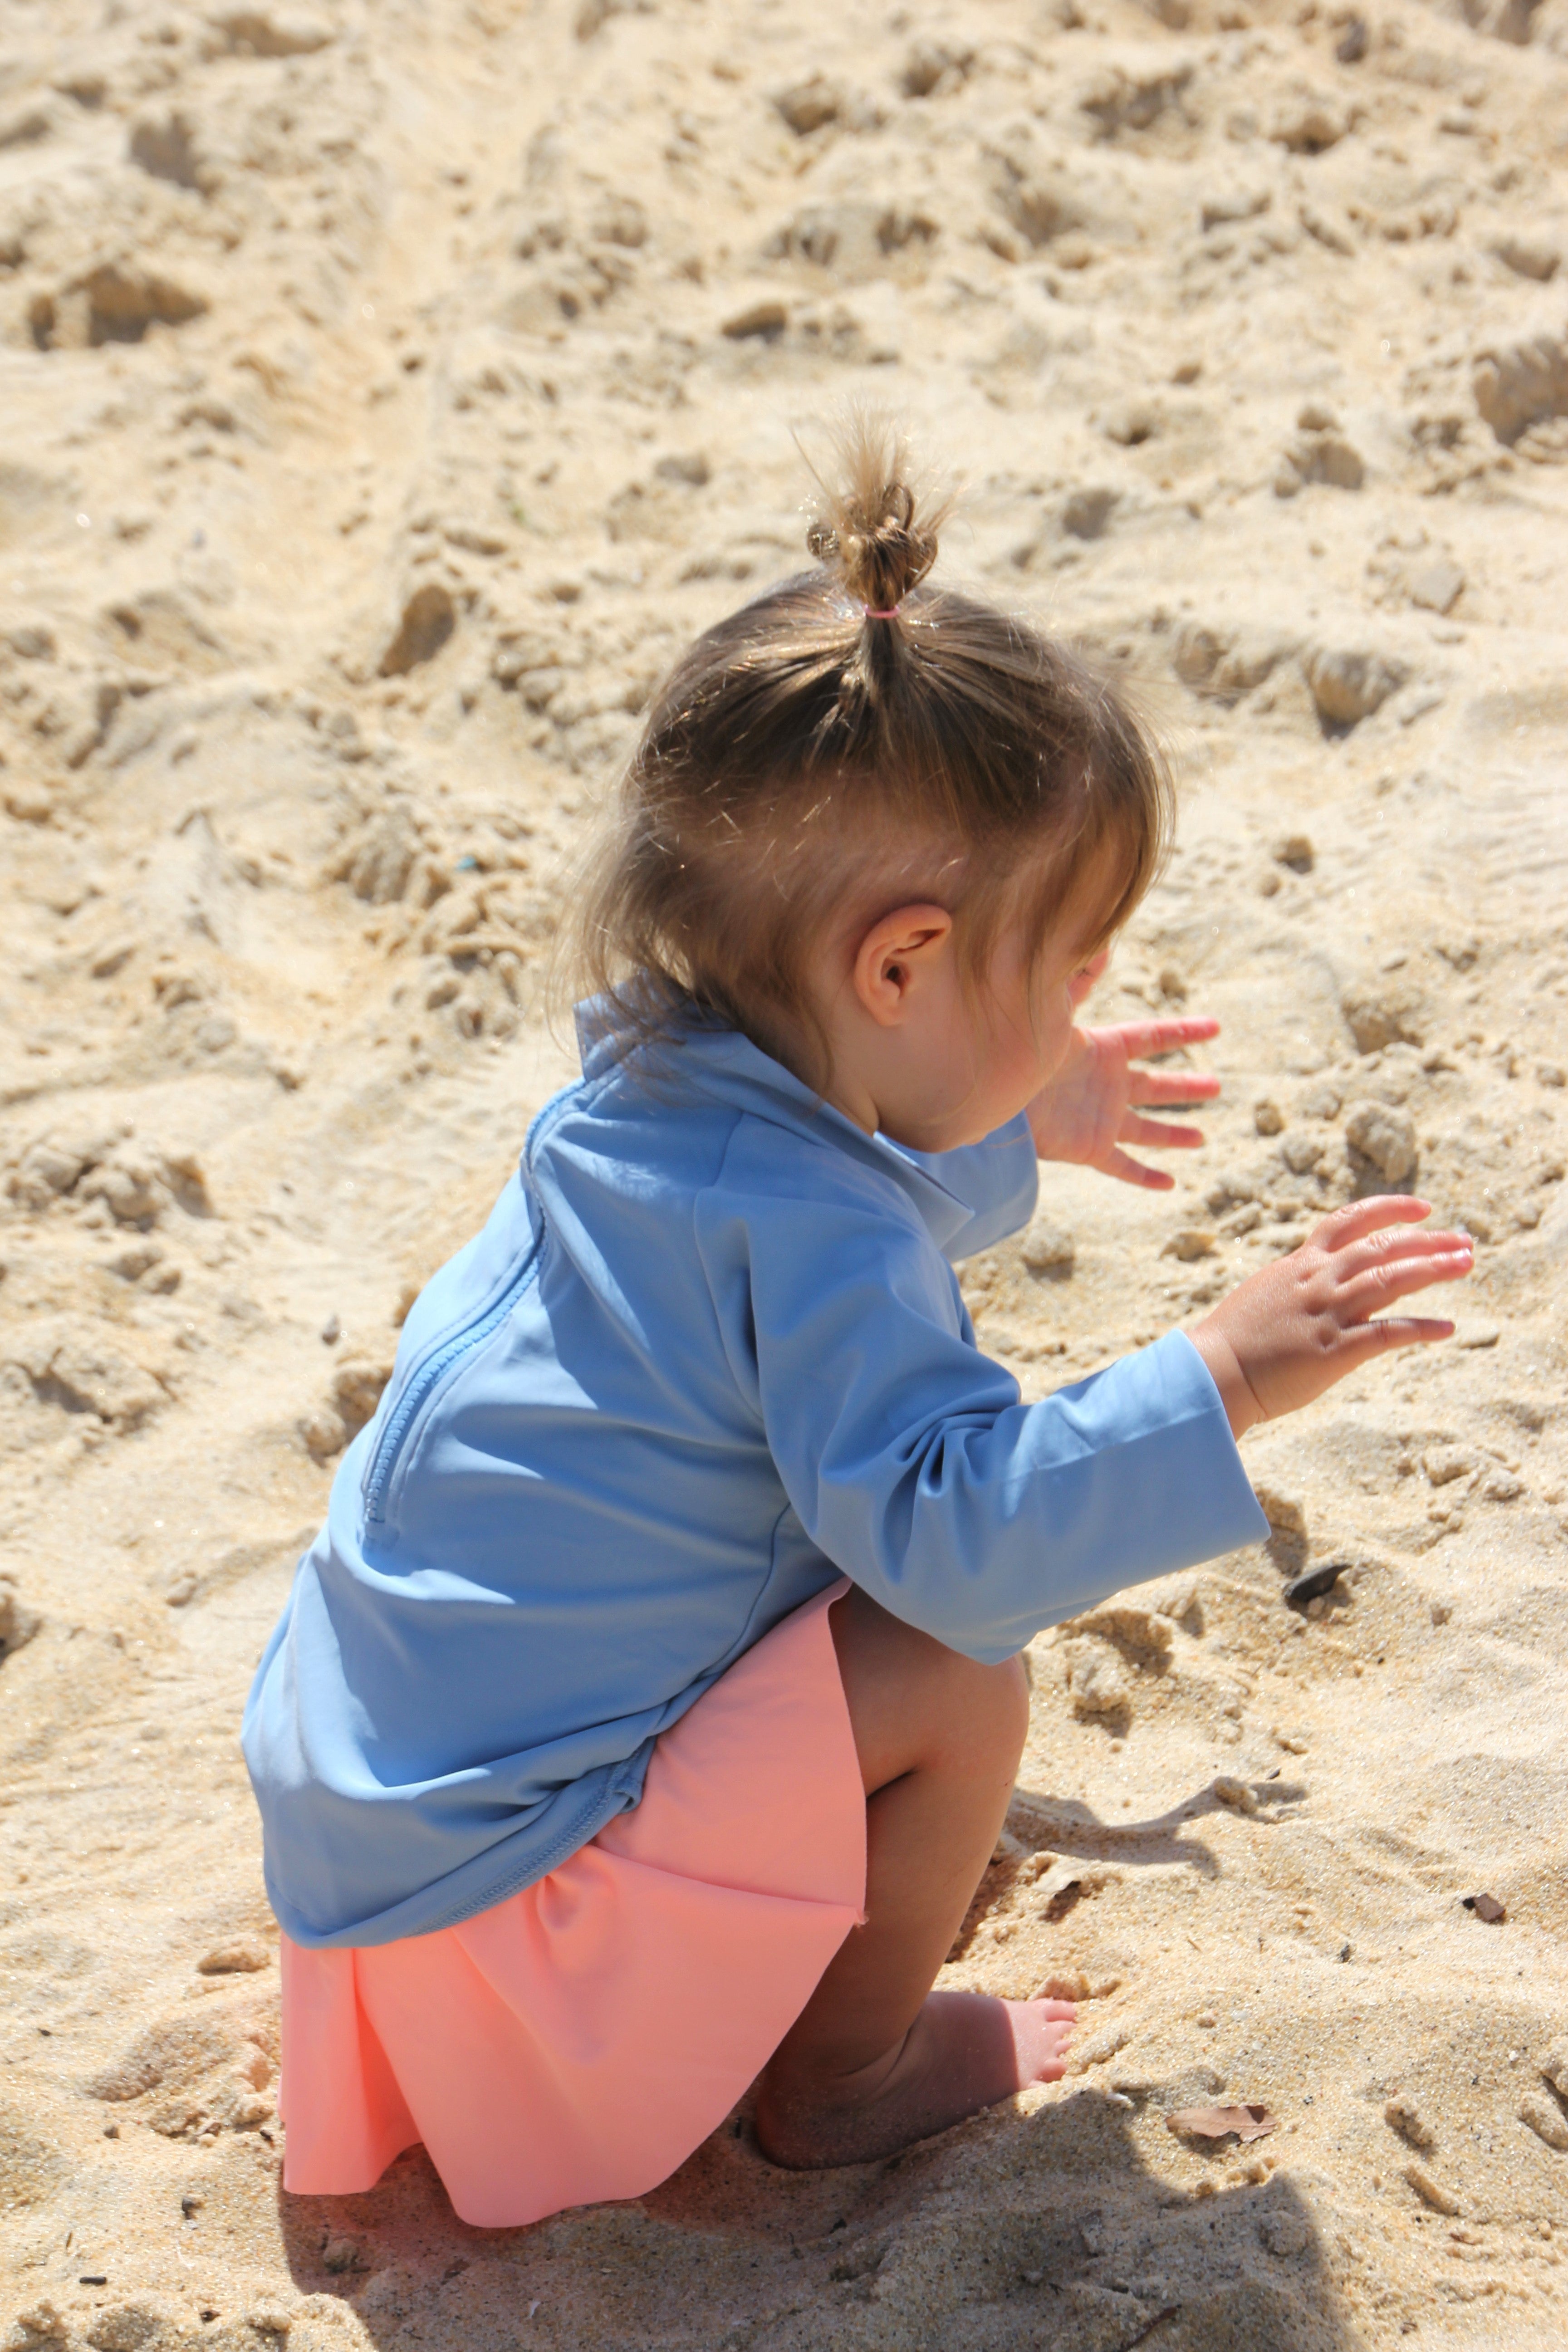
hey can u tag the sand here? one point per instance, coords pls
(387, 394)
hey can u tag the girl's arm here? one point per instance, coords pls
(906, 1453)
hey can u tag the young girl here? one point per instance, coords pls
(648, 1708)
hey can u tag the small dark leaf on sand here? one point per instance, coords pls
(1313, 1585)
(1487, 1908)
(1218, 2123)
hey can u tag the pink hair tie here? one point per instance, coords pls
(872, 614)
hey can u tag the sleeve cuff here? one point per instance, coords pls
(1181, 1494)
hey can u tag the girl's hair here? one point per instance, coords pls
(857, 738)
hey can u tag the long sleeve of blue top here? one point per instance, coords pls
(707, 1354)
(906, 1453)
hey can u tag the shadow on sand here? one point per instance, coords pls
(1042, 2232)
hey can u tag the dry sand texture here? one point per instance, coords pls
(387, 392)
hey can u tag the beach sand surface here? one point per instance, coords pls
(388, 392)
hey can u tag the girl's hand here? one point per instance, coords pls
(1090, 1107)
(1293, 1329)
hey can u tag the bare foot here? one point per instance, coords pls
(964, 2052)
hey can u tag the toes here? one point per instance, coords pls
(1046, 2053)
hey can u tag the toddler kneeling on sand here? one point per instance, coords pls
(646, 1712)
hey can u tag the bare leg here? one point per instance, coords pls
(876, 2059)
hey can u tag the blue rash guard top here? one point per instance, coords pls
(707, 1354)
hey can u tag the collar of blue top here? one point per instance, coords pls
(703, 1057)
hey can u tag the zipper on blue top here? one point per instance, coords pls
(428, 1376)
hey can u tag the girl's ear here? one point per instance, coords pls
(898, 957)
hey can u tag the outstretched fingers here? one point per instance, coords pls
(1365, 1293)
(1290, 1330)
(1118, 1163)
(1364, 1340)
(1368, 1216)
(1137, 1038)
(1147, 1087)
(1158, 1132)
(1376, 1252)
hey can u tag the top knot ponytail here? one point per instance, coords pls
(873, 528)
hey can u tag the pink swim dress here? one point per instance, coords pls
(577, 2040)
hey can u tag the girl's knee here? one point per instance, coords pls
(915, 1703)
(982, 1718)
(1010, 1705)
